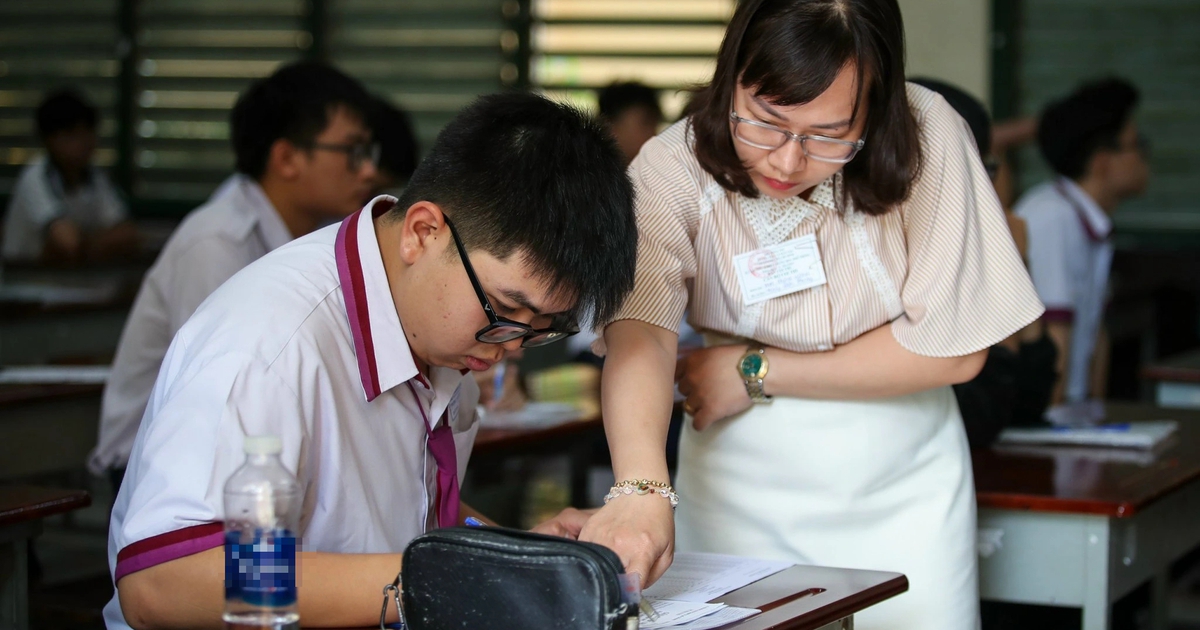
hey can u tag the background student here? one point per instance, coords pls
(353, 345)
(63, 209)
(822, 429)
(1091, 140)
(632, 113)
(305, 157)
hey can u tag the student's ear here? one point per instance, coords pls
(424, 231)
(284, 160)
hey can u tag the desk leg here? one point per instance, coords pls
(845, 623)
(14, 574)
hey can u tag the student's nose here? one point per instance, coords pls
(512, 345)
(787, 159)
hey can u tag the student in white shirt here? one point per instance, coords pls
(352, 344)
(64, 210)
(1091, 140)
(304, 158)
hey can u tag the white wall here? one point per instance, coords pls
(950, 40)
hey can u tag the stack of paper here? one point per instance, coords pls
(53, 374)
(680, 596)
(1132, 435)
(534, 415)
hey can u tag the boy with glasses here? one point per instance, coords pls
(1091, 140)
(304, 157)
(353, 346)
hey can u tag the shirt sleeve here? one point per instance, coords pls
(966, 288)
(666, 203)
(112, 206)
(190, 445)
(1049, 264)
(33, 207)
(198, 271)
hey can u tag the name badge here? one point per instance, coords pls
(781, 269)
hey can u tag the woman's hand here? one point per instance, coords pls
(710, 382)
(566, 524)
(640, 529)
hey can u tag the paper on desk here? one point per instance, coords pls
(700, 577)
(532, 415)
(674, 613)
(46, 374)
(725, 616)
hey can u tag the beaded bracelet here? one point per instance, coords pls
(643, 486)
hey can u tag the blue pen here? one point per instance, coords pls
(471, 521)
(498, 381)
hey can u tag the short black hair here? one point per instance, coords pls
(294, 104)
(397, 142)
(970, 108)
(616, 98)
(517, 172)
(63, 110)
(1090, 119)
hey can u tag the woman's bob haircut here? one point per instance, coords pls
(789, 52)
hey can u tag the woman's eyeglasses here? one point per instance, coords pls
(502, 330)
(761, 135)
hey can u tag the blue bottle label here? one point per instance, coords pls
(261, 572)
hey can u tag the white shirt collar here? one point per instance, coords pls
(385, 359)
(1096, 222)
(274, 231)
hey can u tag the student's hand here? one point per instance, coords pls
(640, 529)
(512, 397)
(566, 524)
(710, 382)
(64, 241)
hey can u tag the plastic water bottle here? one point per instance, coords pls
(262, 511)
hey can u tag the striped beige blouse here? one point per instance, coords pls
(941, 268)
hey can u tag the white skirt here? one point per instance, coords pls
(879, 484)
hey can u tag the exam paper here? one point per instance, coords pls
(532, 415)
(725, 616)
(700, 577)
(47, 374)
(673, 614)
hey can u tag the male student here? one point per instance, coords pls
(304, 157)
(398, 153)
(632, 113)
(64, 210)
(1091, 140)
(352, 344)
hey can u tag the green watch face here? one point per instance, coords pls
(752, 366)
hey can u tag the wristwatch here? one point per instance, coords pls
(752, 367)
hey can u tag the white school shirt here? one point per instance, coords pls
(39, 198)
(276, 351)
(1070, 253)
(230, 231)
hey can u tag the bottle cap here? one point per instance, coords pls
(262, 445)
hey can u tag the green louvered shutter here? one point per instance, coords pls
(430, 57)
(580, 45)
(49, 44)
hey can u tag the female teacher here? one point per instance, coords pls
(834, 235)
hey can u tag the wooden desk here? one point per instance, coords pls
(86, 321)
(22, 509)
(811, 598)
(573, 439)
(46, 428)
(1082, 527)
(1176, 380)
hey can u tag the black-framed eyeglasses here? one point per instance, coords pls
(356, 153)
(501, 329)
(761, 135)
